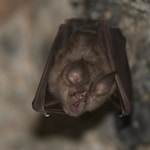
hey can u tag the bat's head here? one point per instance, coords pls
(83, 92)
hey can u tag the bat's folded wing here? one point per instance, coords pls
(115, 44)
(43, 101)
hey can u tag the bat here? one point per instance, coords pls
(87, 66)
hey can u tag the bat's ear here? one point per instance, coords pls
(104, 84)
(76, 73)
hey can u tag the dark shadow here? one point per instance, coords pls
(73, 127)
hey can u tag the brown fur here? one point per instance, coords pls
(91, 67)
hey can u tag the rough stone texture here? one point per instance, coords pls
(27, 29)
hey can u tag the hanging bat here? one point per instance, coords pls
(86, 66)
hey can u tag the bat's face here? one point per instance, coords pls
(82, 92)
(76, 100)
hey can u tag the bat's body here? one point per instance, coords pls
(86, 66)
(82, 65)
